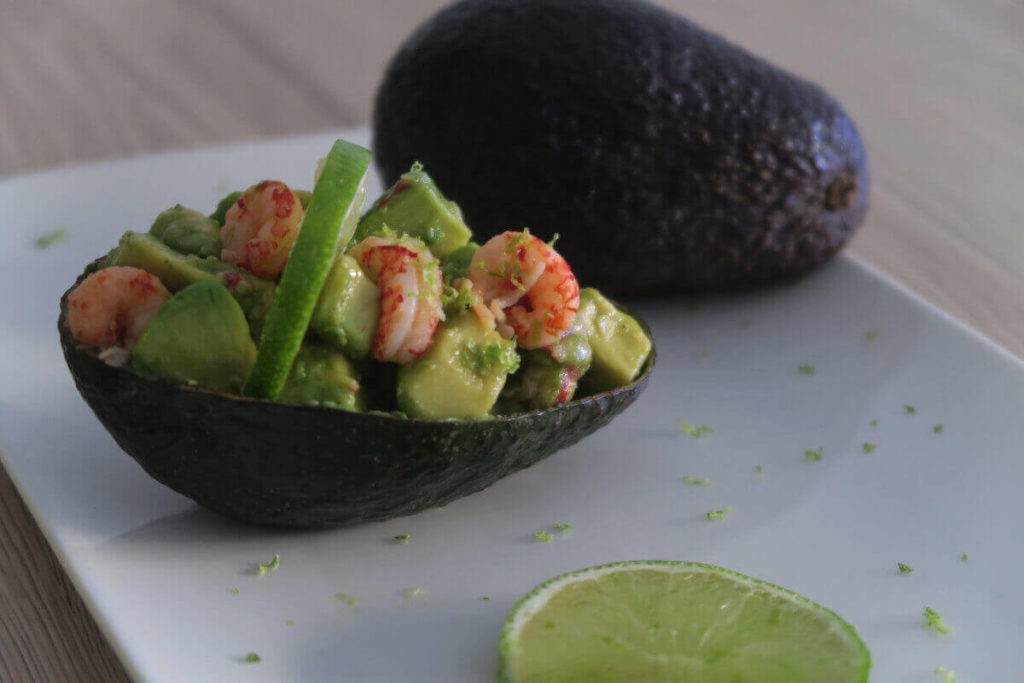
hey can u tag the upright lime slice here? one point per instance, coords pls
(330, 219)
(675, 621)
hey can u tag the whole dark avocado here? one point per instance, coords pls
(667, 158)
(308, 466)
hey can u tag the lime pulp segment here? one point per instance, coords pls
(675, 621)
(329, 220)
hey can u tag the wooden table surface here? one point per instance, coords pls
(936, 87)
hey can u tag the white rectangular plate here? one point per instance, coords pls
(159, 573)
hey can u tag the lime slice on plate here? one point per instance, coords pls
(330, 220)
(675, 621)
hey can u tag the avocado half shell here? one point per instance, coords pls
(305, 466)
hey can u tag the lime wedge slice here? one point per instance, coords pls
(674, 621)
(330, 219)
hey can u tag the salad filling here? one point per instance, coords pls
(408, 314)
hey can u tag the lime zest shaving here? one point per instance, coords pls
(934, 621)
(485, 598)
(693, 431)
(805, 369)
(963, 557)
(904, 568)
(403, 539)
(871, 335)
(874, 423)
(948, 675)
(414, 592)
(235, 591)
(262, 569)
(562, 528)
(909, 410)
(49, 239)
(542, 537)
(347, 599)
(252, 658)
(869, 447)
(696, 481)
(718, 515)
(289, 622)
(814, 456)
(938, 429)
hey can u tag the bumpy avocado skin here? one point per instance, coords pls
(306, 466)
(667, 158)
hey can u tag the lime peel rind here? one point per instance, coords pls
(533, 602)
(336, 198)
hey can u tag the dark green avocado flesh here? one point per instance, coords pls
(307, 466)
(667, 158)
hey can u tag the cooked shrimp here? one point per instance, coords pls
(260, 228)
(111, 307)
(410, 303)
(528, 286)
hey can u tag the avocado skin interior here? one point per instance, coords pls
(667, 158)
(304, 466)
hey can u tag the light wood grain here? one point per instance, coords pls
(936, 86)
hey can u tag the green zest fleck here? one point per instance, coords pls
(703, 355)
(869, 447)
(236, 591)
(904, 568)
(871, 335)
(562, 528)
(718, 515)
(909, 410)
(934, 621)
(697, 482)
(814, 456)
(47, 240)
(289, 622)
(948, 675)
(481, 359)
(693, 431)
(403, 539)
(262, 569)
(805, 369)
(874, 423)
(414, 592)
(757, 468)
(963, 557)
(938, 429)
(252, 658)
(346, 598)
(542, 536)
(485, 598)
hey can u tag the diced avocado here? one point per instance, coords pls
(177, 271)
(548, 376)
(619, 344)
(460, 375)
(456, 265)
(415, 207)
(323, 377)
(200, 336)
(224, 205)
(346, 313)
(187, 231)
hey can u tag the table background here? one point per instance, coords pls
(936, 87)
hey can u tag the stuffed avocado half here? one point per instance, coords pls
(291, 360)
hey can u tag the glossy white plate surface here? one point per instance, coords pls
(159, 573)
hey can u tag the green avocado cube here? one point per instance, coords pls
(199, 337)
(323, 377)
(415, 207)
(460, 375)
(187, 231)
(346, 313)
(618, 344)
